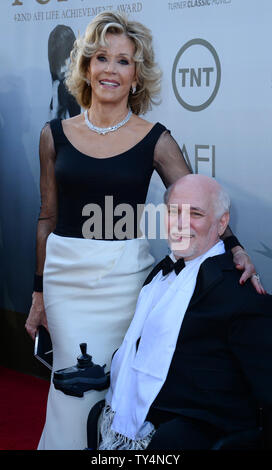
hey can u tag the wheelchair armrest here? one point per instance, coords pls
(92, 422)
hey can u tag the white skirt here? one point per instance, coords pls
(90, 293)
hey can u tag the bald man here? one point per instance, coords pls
(195, 364)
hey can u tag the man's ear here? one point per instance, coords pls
(223, 223)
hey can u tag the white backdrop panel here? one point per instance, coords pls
(233, 132)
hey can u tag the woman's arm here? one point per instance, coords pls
(169, 161)
(48, 188)
(46, 224)
(242, 260)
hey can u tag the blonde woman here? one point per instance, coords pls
(105, 155)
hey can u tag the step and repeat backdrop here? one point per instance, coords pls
(216, 99)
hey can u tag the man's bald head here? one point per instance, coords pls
(209, 214)
(219, 196)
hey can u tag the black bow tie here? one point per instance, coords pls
(168, 265)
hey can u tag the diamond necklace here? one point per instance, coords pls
(105, 130)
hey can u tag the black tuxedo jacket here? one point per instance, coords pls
(221, 371)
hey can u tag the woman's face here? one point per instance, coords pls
(112, 70)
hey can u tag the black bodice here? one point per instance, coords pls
(83, 180)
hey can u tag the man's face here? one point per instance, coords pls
(202, 229)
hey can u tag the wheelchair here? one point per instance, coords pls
(252, 439)
(86, 375)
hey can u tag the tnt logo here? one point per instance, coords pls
(196, 75)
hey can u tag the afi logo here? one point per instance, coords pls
(196, 75)
(41, 2)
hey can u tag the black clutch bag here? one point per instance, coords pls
(43, 350)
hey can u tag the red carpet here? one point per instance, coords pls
(22, 410)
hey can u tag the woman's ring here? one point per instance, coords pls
(257, 277)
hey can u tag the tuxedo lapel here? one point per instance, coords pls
(210, 274)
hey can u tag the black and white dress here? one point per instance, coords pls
(91, 285)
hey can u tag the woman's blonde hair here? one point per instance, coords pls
(147, 72)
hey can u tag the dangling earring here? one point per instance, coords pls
(88, 81)
(133, 89)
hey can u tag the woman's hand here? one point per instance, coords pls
(243, 262)
(37, 315)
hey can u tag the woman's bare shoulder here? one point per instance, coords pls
(74, 127)
(142, 125)
(73, 122)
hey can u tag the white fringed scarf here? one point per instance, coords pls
(137, 375)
